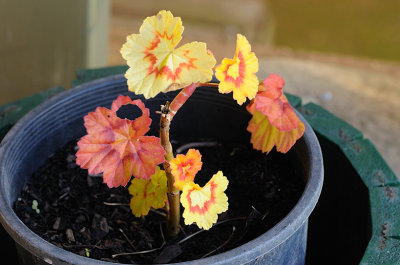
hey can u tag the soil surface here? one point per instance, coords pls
(79, 213)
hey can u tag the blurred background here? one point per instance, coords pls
(341, 54)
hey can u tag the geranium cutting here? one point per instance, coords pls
(120, 149)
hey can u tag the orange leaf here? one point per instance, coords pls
(117, 147)
(140, 124)
(185, 167)
(265, 136)
(271, 101)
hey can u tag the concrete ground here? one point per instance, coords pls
(365, 93)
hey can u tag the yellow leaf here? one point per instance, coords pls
(156, 66)
(147, 193)
(202, 205)
(238, 74)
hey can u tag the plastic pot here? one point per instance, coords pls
(211, 116)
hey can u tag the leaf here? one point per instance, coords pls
(271, 102)
(147, 193)
(156, 66)
(117, 147)
(238, 74)
(141, 124)
(185, 167)
(265, 136)
(274, 122)
(202, 205)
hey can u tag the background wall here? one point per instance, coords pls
(43, 43)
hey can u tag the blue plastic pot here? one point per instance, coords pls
(212, 116)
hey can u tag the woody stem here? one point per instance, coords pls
(173, 216)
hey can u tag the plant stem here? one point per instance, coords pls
(181, 98)
(173, 216)
(167, 113)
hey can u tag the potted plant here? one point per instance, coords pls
(118, 148)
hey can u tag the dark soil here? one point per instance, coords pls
(82, 215)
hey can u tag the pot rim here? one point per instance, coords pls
(250, 250)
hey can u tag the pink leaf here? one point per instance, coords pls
(271, 102)
(117, 147)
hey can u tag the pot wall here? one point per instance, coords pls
(60, 120)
